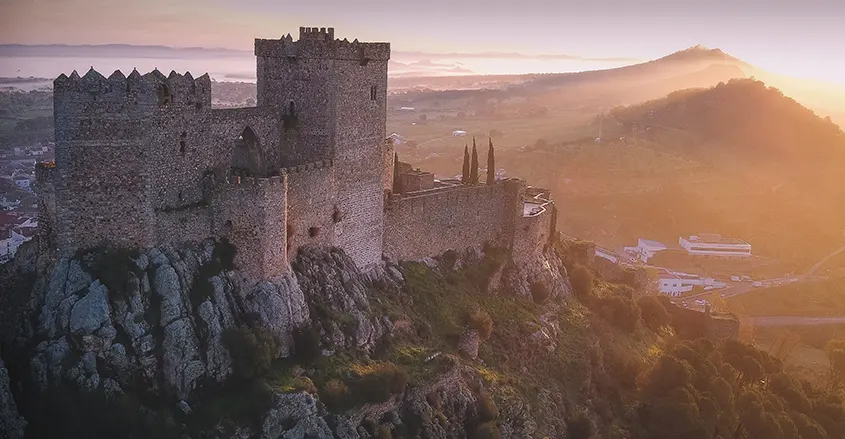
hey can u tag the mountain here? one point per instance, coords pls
(116, 51)
(744, 117)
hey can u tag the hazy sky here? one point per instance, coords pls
(804, 38)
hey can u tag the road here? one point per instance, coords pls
(792, 321)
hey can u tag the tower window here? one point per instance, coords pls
(182, 147)
(373, 92)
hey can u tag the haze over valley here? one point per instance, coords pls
(475, 220)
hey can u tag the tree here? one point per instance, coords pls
(473, 166)
(653, 312)
(465, 172)
(582, 282)
(397, 182)
(491, 165)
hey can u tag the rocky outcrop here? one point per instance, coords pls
(12, 425)
(161, 321)
(338, 299)
(156, 321)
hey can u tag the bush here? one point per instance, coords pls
(487, 410)
(335, 394)
(224, 253)
(378, 382)
(620, 312)
(580, 426)
(582, 283)
(252, 350)
(653, 313)
(482, 322)
(487, 430)
(539, 292)
(306, 344)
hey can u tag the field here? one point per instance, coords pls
(812, 299)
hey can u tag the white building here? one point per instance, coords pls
(671, 284)
(9, 246)
(645, 249)
(607, 254)
(715, 246)
(22, 181)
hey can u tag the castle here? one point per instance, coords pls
(143, 160)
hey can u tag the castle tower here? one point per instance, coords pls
(334, 97)
(100, 179)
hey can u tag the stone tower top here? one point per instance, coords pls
(319, 42)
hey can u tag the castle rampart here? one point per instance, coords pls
(428, 223)
(144, 160)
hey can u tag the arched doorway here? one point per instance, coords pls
(247, 157)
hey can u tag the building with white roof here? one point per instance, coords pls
(715, 246)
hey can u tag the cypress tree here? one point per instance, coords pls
(465, 171)
(473, 166)
(491, 165)
(396, 180)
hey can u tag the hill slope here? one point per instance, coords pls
(742, 115)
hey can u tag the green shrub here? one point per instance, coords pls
(377, 382)
(580, 426)
(306, 344)
(487, 430)
(487, 409)
(224, 253)
(481, 321)
(653, 313)
(335, 395)
(252, 350)
(582, 283)
(539, 292)
(620, 312)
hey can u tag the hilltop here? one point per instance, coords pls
(741, 117)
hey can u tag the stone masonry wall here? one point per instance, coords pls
(251, 214)
(360, 120)
(457, 218)
(531, 235)
(311, 204)
(102, 185)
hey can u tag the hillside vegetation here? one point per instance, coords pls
(743, 116)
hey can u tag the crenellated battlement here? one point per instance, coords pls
(320, 43)
(153, 89)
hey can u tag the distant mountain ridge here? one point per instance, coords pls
(116, 50)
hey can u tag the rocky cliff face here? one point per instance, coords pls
(154, 323)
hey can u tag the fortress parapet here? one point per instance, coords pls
(320, 43)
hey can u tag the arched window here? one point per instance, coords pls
(247, 157)
(373, 92)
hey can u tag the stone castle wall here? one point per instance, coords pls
(144, 161)
(432, 222)
(251, 213)
(532, 235)
(311, 206)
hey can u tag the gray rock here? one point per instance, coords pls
(183, 405)
(119, 362)
(52, 298)
(218, 361)
(157, 258)
(299, 410)
(77, 278)
(11, 423)
(91, 312)
(280, 307)
(181, 366)
(142, 262)
(111, 388)
(166, 285)
(468, 344)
